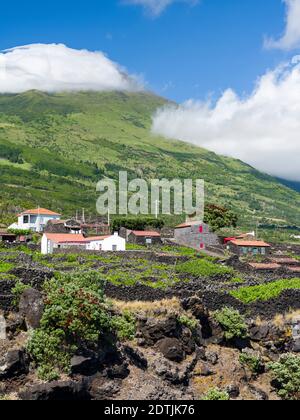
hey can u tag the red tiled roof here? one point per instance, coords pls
(5, 233)
(266, 266)
(294, 269)
(252, 244)
(188, 224)
(63, 238)
(285, 260)
(97, 238)
(183, 225)
(143, 233)
(41, 211)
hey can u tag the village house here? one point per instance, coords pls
(195, 235)
(34, 220)
(52, 241)
(63, 226)
(76, 227)
(245, 247)
(146, 238)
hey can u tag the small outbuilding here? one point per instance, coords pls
(146, 238)
(253, 248)
(7, 237)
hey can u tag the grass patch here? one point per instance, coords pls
(265, 292)
(139, 271)
(203, 268)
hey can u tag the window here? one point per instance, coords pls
(114, 248)
(25, 220)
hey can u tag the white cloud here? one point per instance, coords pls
(291, 38)
(262, 129)
(156, 7)
(55, 67)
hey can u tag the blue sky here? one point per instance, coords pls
(233, 65)
(185, 52)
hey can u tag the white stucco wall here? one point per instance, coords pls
(113, 243)
(36, 223)
(46, 246)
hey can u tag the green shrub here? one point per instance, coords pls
(51, 353)
(203, 268)
(18, 290)
(251, 362)
(265, 292)
(237, 280)
(286, 372)
(5, 267)
(215, 394)
(125, 326)
(75, 316)
(232, 322)
(189, 322)
(20, 232)
(136, 223)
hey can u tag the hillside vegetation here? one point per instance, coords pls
(54, 148)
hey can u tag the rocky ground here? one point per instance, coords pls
(166, 361)
(180, 350)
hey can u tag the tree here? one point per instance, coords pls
(219, 217)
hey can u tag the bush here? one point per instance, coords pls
(125, 326)
(136, 223)
(286, 373)
(232, 322)
(5, 267)
(51, 353)
(20, 232)
(75, 316)
(18, 290)
(215, 394)
(251, 362)
(188, 322)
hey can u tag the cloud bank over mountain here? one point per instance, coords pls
(55, 67)
(261, 129)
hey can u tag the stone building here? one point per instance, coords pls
(245, 248)
(146, 238)
(195, 235)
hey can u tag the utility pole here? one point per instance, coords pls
(83, 216)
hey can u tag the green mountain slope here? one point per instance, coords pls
(54, 148)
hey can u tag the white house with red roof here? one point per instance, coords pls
(52, 241)
(35, 219)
